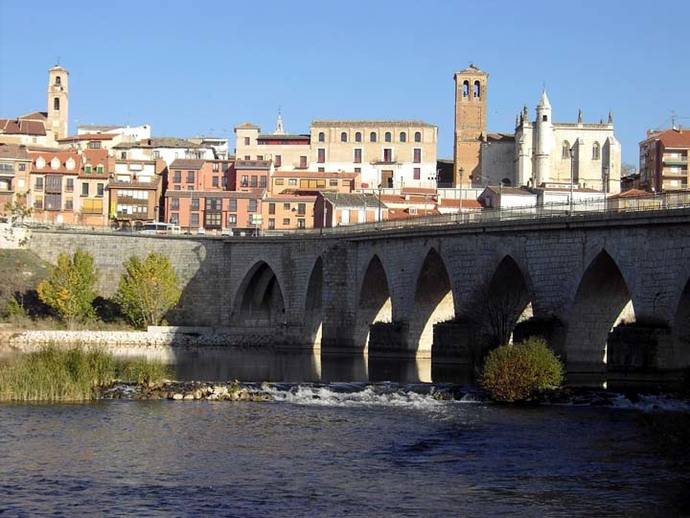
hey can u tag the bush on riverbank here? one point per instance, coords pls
(76, 374)
(69, 288)
(148, 289)
(516, 372)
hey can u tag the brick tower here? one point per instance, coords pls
(470, 124)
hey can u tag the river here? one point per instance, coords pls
(332, 447)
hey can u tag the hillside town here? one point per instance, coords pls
(336, 173)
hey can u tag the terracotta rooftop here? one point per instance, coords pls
(89, 136)
(160, 142)
(22, 127)
(63, 156)
(674, 138)
(352, 199)
(247, 125)
(187, 163)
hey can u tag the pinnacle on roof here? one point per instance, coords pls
(280, 129)
(544, 100)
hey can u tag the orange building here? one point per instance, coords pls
(52, 181)
(314, 181)
(200, 175)
(252, 175)
(289, 211)
(212, 211)
(334, 209)
(135, 191)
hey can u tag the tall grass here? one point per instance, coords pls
(75, 374)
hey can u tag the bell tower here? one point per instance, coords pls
(58, 101)
(471, 89)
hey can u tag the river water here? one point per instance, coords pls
(335, 444)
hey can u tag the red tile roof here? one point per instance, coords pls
(675, 138)
(22, 127)
(62, 156)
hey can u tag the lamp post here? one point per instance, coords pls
(379, 199)
(572, 176)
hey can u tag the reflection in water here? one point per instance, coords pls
(256, 364)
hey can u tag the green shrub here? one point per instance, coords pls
(75, 374)
(148, 289)
(69, 287)
(517, 372)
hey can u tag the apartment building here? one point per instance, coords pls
(664, 160)
(135, 191)
(15, 164)
(212, 211)
(252, 175)
(200, 175)
(52, 181)
(392, 154)
(289, 210)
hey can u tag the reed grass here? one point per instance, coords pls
(76, 374)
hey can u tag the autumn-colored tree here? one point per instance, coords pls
(148, 289)
(69, 288)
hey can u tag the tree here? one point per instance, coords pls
(16, 211)
(69, 287)
(148, 289)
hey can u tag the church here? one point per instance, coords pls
(539, 152)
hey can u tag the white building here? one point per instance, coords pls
(543, 151)
(218, 144)
(167, 149)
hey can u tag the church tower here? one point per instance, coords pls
(58, 101)
(470, 124)
(544, 141)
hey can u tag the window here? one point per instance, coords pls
(358, 137)
(253, 181)
(175, 203)
(387, 155)
(69, 185)
(123, 155)
(194, 205)
(262, 182)
(247, 157)
(271, 224)
(321, 155)
(358, 156)
(56, 103)
(286, 222)
(259, 157)
(279, 160)
(233, 205)
(244, 181)
(157, 154)
(94, 145)
(321, 170)
(99, 190)
(403, 136)
(99, 169)
(477, 90)
(194, 219)
(343, 137)
(21, 167)
(465, 88)
(372, 136)
(174, 218)
(565, 151)
(177, 176)
(301, 209)
(300, 223)
(286, 206)
(417, 173)
(358, 169)
(417, 155)
(212, 219)
(69, 204)
(292, 181)
(271, 208)
(387, 136)
(322, 137)
(246, 141)
(302, 162)
(58, 80)
(280, 181)
(216, 167)
(88, 169)
(232, 219)
(53, 202)
(190, 176)
(215, 182)
(333, 183)
(417, 136)
(252, 206)
(596, 151)
(84, 189)
(38, 203)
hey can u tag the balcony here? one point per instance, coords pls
(675, 161)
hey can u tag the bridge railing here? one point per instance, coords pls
(611, 206)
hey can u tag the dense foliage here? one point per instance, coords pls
(69, 288)
(75, 374)
(516, 372)
(148, 289)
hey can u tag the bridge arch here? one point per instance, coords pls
(374, 302)
(433, 302)
(313, 304)
(259, 299)
(601, 302)
(681, 328)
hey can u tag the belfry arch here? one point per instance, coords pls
(260, 298)
(433, 303)
(601, 302)
(374, 302)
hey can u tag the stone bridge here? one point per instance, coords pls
(610, 289)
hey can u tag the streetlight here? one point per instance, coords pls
(462, 173)
(379, 197)
(572, 175)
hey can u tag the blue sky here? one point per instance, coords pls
(192, 68)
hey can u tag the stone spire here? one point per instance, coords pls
(610, 117)
(280, 129)
(544, 101)
(579, 116)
